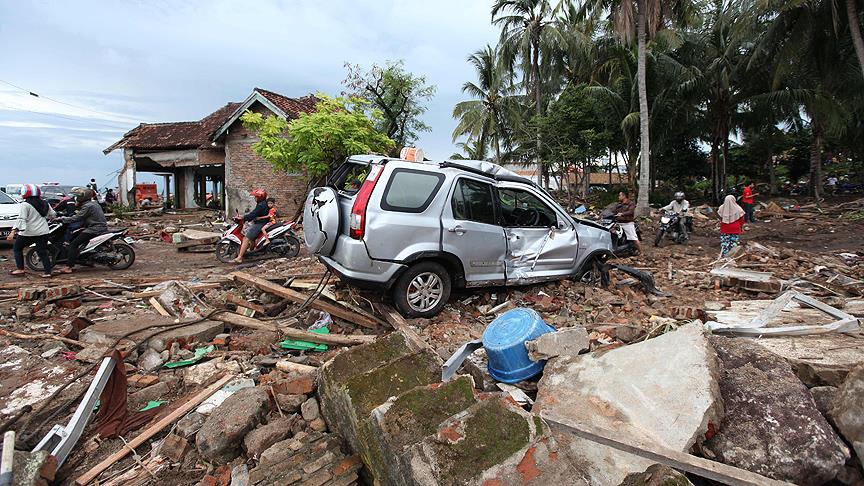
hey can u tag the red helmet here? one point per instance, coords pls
(259, 194)
(30, 190)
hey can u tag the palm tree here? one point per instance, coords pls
(855, 31)
(649, 16)
(528, 29)
(488, 115)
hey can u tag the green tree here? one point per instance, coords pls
(315, 142)
(399, 95)
(486, 117)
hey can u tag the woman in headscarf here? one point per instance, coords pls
(731, 221)
(32, 227)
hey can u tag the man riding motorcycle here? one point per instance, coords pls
(257, 218)
(681, 207)
(92, 219)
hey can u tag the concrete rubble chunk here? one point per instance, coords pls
(657, 475)
(189, 425)
(824, 397)
(309, 409)
(565, 342)
(222, 434)
(106, 332)
(772, 426)
(290, 403)
(848, 410)
(265, 436)
(33, 468)
(823, 359)
(663, 391)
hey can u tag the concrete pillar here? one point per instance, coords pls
(126, 179)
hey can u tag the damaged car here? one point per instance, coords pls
(419, 229)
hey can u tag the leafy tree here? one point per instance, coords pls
(315, 142)
(485, 118)
(399, 95)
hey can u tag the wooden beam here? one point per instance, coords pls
(195, 286)
(233, 299)
(705, 468)
(334, 339)
(299, 298)
(152, 430)
(161, 310)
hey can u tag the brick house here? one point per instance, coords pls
(213, 156)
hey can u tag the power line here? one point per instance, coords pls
(104, 123)
(37, 95)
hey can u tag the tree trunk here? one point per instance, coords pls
(816, 161)
(772, 176)
(722, 166)
(645, 153)
(586, 179)
(715, 179)
(855, 30)
(497, 149)
(538, 110)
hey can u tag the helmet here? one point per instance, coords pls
(82, 194)
(679, 196)
(259, 194)
(30, 190)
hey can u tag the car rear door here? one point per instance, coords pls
(542, 243)
(471, 231)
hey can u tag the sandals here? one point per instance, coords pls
(18, 273)
(65, 271)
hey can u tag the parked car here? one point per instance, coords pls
(9, 209)
(417, 229)
(54, 193)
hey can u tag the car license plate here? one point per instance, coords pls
(5, 232)
(129, 240)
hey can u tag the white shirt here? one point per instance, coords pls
(30, 222)
(677, 207)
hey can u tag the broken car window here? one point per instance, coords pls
(473, 201)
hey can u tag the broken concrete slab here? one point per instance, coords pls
(106, 332)
(823, 359)
(27, 378)
(564, 342)
(222, 434)
(824, 397)
(848, 410)
(663, 391)
(33, 468)
(772, 426)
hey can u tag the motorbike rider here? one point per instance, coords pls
(681, 207)
(625, 215)
(93, 221)
(257, 218)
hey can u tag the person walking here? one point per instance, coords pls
(32, 228)
(747, 200)
(731, 222)
(92, 219)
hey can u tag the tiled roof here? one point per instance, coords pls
(292, 107)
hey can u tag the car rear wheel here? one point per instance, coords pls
(422, 291)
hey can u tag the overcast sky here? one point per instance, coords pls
(109, 65)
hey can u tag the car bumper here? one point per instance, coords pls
(352, 263)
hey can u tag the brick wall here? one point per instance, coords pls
(244, 171)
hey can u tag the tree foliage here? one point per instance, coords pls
(399, 95)
(314, 142)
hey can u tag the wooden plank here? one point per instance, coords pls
(195, 286)
(233, 299)
(331, 296)
(152, 430)
(299, 298)
(333, 339)
(161, 310)
(675, 459)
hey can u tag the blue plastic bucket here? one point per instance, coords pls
(504, 341)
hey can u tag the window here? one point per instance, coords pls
(349, 177)
(520, 208)
(410, 191)
(473, 201)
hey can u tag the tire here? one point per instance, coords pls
(31, 258)
(291, 248)
(659, 238)
(227, 250)
(128, 256)
(412, 301)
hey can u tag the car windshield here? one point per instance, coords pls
(5, 199)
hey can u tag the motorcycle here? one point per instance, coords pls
(112, 249)
(283, 242)
(670, 223)
(621, 246)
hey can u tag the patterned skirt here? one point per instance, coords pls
(727, 242)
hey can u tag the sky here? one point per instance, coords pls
(102, 67)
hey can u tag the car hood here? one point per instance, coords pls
(10, 209)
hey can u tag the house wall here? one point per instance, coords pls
(244, 171)
(126, 178)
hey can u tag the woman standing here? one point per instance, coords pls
(731, 220)
(32, 227)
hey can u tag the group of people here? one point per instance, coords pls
(32, 228)
(731, 215)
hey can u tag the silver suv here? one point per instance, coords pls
(419, 228)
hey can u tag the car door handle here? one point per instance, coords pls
(457, 229)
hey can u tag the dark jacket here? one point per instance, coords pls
(627, 212)
(260, 210)
(92, 217)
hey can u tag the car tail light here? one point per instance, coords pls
(358, 210)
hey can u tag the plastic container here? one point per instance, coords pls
(504, 341)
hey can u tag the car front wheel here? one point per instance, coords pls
(422, 291)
